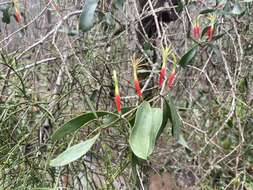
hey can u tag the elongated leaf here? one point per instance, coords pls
(140, 135)
(166, 115)
(175, 121)
(207, 11)
(157, 119)
(143, 135)
(6, 16)
(188, 57)
(218, 36)
(75, 123)
(74, 152)
(88, 15)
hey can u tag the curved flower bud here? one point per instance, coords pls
(17, 14)
(117, 95)
(137, 88)
(165, 55)
(196, 28)
(171, 79)
(173, 72)
(209, 33)
(162, 76)
(135, 63)
(210, 28)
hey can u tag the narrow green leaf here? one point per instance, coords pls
(75, 123)
(88, 15)
(166, 115)
(74, 152)
(206, 11)
(218, 36)
(175, 121)
(188, 57)
(6, 16)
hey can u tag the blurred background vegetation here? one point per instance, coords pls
(55, 66)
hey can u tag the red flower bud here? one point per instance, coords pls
(196, 29)
(165, 55)
(136, 63)
(137, 88)
(196, 32)
(117, 101)
(171, 79)
(210, 28)
(162, 76)
(117, 96)
(210, 32)
(17, 15)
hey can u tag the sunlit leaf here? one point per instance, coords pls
(74, 152)
(143, 135)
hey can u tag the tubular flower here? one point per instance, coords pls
(165, 54)
(196, 29)
(137, 88)
(135, 63)
(171, 79)
(17, 14)
(173, 73)
(210, 28)
(210, 32)
(117, 96)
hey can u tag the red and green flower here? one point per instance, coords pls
(165, 55)
(173, 72)
(210, 28)
(135, 63)
(116, 91)
(17, 14)
(196, 28)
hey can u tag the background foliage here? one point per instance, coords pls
(56, 64)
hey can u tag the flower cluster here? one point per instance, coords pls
(166, 53)
(196, 30)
